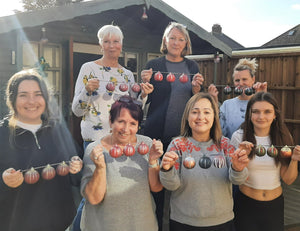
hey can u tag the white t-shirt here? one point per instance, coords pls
(263, 172)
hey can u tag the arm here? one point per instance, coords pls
(222, 117)
(153, 171)
(289, 173)
(170, 165)
(93, 183)
(238, 172)
(83, 88)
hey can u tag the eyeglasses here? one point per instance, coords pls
(128, 100)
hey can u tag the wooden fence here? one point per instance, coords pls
(280, 68)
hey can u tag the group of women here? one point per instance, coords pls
(182, 149)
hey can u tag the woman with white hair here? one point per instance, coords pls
(92, 99)
(98, 87)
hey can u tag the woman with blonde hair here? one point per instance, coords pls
(232, 111)
(199, 169)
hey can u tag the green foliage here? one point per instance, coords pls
(31, 5)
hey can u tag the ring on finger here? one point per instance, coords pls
(96, 157)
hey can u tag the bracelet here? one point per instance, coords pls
(154, 165)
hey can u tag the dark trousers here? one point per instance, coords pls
(256, 215)
(176, 226)
(159, 198)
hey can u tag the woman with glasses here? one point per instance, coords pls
(117, 180)
(259, 203)
(199, 169)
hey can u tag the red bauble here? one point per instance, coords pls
(123, 87)
(110, 86)
(48, 172)
(31, 176)
(62, 169)
(158, 76)
(260, 150)
(136, 88)
(272, 151)
(143, 148)
(189, 162)
(183, 78)
(170, 77)
(129, 150)
(115, 151)
(286, 151)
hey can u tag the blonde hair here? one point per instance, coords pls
(109, 30)
(246, 64)
(188, 48)
(215, 131)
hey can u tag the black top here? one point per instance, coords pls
(159, 100)
(48, 204)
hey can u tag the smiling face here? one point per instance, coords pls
(30, 103)
(262, 116)
(201, 119)
(111, 46)
(124, 128)
(175, 43)
(243, 79)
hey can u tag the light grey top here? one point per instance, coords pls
(232, 115)
(201, 197)
(128, 203)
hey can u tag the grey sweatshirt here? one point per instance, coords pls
(201, 197)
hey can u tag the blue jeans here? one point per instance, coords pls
(77, 218)
(76, 221)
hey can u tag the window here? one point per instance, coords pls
(46, 57)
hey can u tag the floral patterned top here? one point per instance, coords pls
(94, 108)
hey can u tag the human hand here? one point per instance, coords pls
(239, 159)
(156, 151)
(213, 91)
(169, 159)
(75, 165)
(197, 81)
(258, 86)
(12, 178)
(92, 85)
(296, 153)
(146, 75)
(147, 88)
(247, 146)
(97, 156)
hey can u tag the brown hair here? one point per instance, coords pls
(215, 131)
(279, 133)
(134, 107)
(13, 86)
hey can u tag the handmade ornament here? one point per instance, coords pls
(143, 148)
(189, 162)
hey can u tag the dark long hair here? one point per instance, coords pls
(12, 91)
(279, 133)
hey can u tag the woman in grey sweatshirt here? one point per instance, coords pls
(201, 196)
